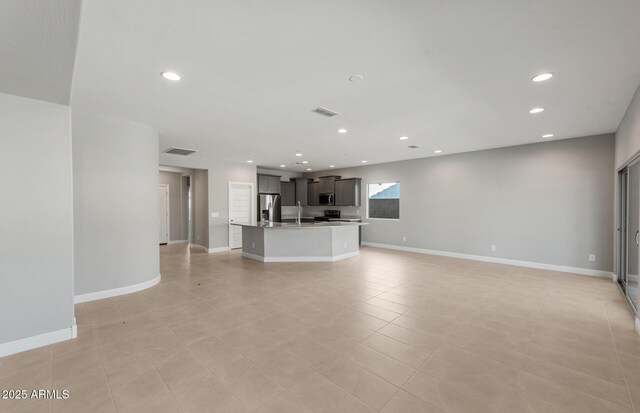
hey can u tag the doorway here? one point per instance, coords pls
(629, 233)
(163, 204)
(240, 210)
(186, 206)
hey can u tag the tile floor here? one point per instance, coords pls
(386, 331)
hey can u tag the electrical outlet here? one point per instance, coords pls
(197, 238)
(253, 245)
(592, 257)
(345, 244)
(493, 248)
(404, 239)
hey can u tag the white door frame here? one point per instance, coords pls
(168, 212)
(252, 213)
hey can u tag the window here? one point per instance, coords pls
(383, 200)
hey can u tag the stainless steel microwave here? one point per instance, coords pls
(326, 199)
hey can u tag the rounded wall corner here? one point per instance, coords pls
(115, 292)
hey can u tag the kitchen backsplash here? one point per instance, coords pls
(317, 211)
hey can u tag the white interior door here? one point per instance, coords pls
(240, 211)
(163, 204)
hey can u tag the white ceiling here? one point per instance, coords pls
(38, 47)
(451, 75)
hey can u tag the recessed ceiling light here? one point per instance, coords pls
(250, 161)
(542, 77)
(305, 162)
(536, 110)
(364, 161)
(342, 130)
(170, 76)
(356, 78)
(298, 154)
(403, 138)
(309, 169)
(438, 151)
(332, 166)
(548, 135)
(282, 166)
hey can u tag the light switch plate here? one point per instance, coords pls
(215, 214)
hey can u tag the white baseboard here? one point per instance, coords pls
(252, 256)
(218, 249)
(99, 295)
(210, 250)
(198, 247)
(300, 259)
(497, 260)
(40, 340)
(180, 241)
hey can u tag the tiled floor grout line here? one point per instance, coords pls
(106, 378)
(416, 370)
(268, 376)
(340, 355)
(415, 373)
(148, 358)
(620, 365)
(371, 372)
(173, 396)
(246, 356)
(526, 350)
(205, 367)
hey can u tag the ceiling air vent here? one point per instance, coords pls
(179, 151)
(325, 112)
(413, 146)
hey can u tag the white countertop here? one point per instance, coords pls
(291, 225)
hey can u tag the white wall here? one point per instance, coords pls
(627, 146)
(200, 201)
(549, 203)
(115, 201)
(220, 173)
(36, 242)
(185, 183)
(628, 133)
(187, 179)
(174, 180)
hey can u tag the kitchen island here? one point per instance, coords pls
(304, 242)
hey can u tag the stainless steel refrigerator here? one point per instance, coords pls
(269, 208)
